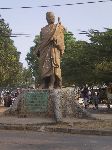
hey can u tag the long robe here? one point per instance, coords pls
(51, 48)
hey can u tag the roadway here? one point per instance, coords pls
(28, 140)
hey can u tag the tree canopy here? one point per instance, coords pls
(9, 57)
(83, 62)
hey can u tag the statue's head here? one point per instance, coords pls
(50, 17)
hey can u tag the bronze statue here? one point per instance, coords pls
(50, 50)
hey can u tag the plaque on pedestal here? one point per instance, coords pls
(36, 101)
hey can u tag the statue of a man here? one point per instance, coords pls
(50, 50)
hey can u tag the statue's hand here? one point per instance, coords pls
(61, 53)
(52, 39)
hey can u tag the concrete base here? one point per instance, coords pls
(56, 104)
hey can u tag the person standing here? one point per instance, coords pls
(85, 96)
(96, 98)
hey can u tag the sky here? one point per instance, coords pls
(75, 18)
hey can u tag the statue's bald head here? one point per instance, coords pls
(50, 17)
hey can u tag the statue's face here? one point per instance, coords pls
(50, 17)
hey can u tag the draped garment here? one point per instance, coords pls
(51, 48)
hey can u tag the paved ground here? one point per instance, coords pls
(40, 120)
(17, 120)
(2, 109)
(22, 140)
(102, 114)
(102, 125)
(23, 121)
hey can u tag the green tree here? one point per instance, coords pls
(70, 64)
(9, 57)
(83, 62)
(25, 78)
(76, 64)
(33, 61)
(101, 46)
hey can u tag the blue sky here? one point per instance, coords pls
(74, 18)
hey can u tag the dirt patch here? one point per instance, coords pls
(91, 124)
(3, 109)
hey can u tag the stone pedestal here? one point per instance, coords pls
(56, 103)
(33, 103)
(66, 105)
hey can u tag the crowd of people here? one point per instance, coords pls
(96, 95)
(8, 96)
